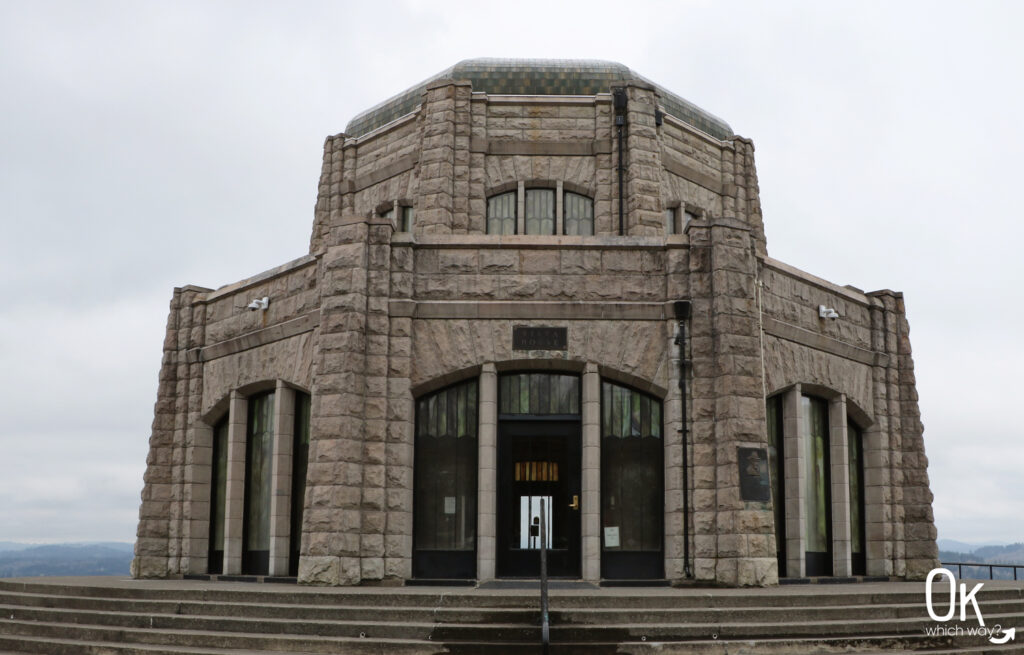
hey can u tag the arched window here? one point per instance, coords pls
(218, 496)
(445, 483)
(632, 483)
(579, 214)
(501, 213)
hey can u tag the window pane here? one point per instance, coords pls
(408, 213)
(501, 213)
(300, 464)
(856, 464)
(218, 486)
(539, 393)
(670, 221)
(775, 470)
(540, 211)
(631, 470)
(259, 454)
(816, 444)
(445, 471)
(579, 214)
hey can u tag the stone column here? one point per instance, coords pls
(643, 163)
(437, 158)
(729, 410)
(877, 459)
(590, 503)
(234, 501)
(400, 424)
(198, 474)
(281, 480)
(796, 482)
(487, 507)
(839, 460)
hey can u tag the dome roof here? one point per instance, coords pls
(555, 77)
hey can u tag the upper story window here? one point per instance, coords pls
(405, 219)
(579, 214)
(676, 219)
(501, 213)
(540, 211)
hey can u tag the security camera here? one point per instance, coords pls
(827, 312)
(259, 303)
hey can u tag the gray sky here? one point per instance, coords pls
(149, 145)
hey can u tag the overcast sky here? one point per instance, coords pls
(149, 145)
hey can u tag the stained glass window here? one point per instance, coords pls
(632, 456)
(579, 214)
(540, 211)
(816, 459)
(539, 393)
(258, 458)
(501, 213)
(446, 469)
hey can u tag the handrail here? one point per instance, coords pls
(545, 625)
(960, 568)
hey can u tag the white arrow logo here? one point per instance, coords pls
(1007, 636)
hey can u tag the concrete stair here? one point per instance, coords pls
(110, 616)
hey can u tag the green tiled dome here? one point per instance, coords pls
(537, 77)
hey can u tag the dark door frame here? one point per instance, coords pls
(565, 563)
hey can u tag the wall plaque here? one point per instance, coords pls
(754, 484)
(539, 338)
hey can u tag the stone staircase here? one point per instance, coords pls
(110, 616)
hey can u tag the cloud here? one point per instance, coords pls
(151, 145)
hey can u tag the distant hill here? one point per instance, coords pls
(100, 558)
(1009, 554)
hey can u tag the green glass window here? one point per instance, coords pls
(540, 211)
(579, 214)
(816, 459)
(446, 469)
(501, 213)
(258, 459)
(539, 393)
(300, 464)
(218, 495)
(776, 462)
(632, 456)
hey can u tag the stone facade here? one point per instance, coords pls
(375, 317)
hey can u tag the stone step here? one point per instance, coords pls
(457, 597)
(10, 602)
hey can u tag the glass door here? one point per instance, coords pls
(538, 465)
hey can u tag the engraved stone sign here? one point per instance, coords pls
(539, 338)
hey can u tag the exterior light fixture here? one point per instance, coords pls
(259, 303)
(827, 312)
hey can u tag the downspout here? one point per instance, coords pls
(620, 99)
(682, 312)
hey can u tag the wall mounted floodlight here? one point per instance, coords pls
(259, 303)
(827, 312)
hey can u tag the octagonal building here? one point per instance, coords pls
(536, 287)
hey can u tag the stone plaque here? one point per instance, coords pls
(754, 483)
(539, 338)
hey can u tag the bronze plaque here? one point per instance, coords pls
(754, 483)
(539, 338)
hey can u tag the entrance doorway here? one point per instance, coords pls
(538, 465)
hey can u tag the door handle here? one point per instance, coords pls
(575, 504)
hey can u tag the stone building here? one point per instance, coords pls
(536, 283)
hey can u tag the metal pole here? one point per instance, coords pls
(545, 630)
